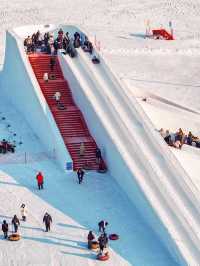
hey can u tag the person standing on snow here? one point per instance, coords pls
(5, 229)
(15, 222)
(80, 174)
(47, 220)
(101, 243)
(102, 226)
(23, 210)
(40, 180)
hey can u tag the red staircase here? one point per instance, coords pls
(70, 121)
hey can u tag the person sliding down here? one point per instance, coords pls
(91, 237)
(40, 180)
(23, 212)
(102, 226)
(98, 155)
(5, 229)
(16, 223)
(47, 220)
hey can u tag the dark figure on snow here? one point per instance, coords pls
(167, 138)
(80, 174)
(40, 180)
(47, 220)
(16, 223)
(5, 229)
(102, 244)
(52, 62)
(105, 237)
(98, 155)
(102, 226)
(91, 237)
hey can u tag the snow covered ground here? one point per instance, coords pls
(168, 69)
(75, 210)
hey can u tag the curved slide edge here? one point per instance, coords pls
(19, 85)
(117, 132)
(177, 195)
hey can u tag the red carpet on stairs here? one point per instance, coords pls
(70, 121)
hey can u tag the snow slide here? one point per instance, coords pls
(164, 183)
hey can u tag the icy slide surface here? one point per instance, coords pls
(75, 209)
(164, 173)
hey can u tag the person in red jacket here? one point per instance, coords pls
(40, 180)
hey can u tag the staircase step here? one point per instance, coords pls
(70, 121)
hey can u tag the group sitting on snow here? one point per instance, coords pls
(46, 43)
(6, 146)
(179, 138)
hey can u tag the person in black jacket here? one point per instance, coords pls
(102, 245)
(98, 155)
(102, 226)
(80, 174)
(5, 229)
(47, 220)
(16, 223)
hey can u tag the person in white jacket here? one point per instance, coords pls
(57, 96)
(46, 77)
(23, 210)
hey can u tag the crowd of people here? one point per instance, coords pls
(46, 43)
(179, 138)
(6, 146)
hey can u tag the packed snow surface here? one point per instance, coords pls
(75, 210)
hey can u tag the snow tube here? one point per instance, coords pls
(60, 106)
(94, 245)
(14, 237)
(103, 257)
(113, 237)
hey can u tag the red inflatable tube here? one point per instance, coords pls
(113, 237)
(103, 257)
